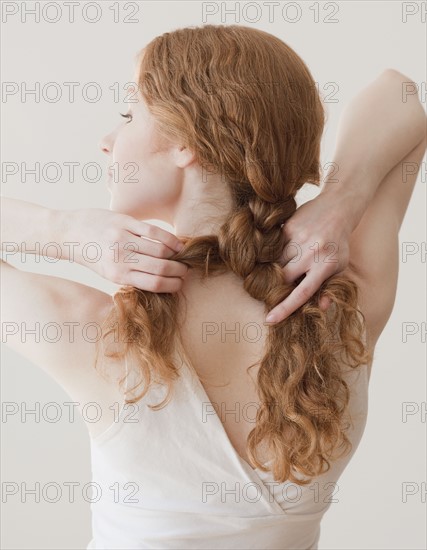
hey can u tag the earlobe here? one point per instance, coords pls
(183, 157)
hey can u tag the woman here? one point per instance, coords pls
(232, 431)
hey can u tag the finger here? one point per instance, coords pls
(158, 266)
(291, 254)
(324, 303)
(299, 296)
(153, 283)
(293, 270)
(146, 247)
(150, 231)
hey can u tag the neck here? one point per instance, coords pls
(203, 205)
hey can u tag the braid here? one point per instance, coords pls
(251, 242)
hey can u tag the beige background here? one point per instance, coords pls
(368, 37)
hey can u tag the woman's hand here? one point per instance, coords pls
(120, 248)
(318, 246)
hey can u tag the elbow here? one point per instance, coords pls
(396, 75)
(409, 87)
(409, 94)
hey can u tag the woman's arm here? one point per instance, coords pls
(45, 318)
(378, 130)
(107, 242)
(374, 244)
(28, 228)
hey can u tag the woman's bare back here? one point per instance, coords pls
(222, 333)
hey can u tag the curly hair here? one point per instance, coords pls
(247, 106)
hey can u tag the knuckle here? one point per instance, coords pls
(164, 250)
(149, 231)
(325, 247)
(115, 231)
(115, 274)
(162, 268)
(156, 285)
(305, 292)
(289, 225)
(301, 237)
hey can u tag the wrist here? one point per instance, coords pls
(347, 201)
(65, 224)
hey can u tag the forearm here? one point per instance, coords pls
(30, 228)
(378, 128)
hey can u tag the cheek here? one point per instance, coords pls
(146, 199)
(146, 185)
(128, 156)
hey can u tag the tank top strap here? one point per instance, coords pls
(126, 384)
(134, 381)
(132, 377)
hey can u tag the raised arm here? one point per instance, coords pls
(38, 302)
(107, 242)
(378, 128)
(382, 129)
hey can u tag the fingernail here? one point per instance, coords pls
(271, 318)
(179, 247)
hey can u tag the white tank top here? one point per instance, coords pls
(171, 478)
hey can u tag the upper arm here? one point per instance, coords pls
(53, 322)
(374, 244)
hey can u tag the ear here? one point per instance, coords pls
(183, 156)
